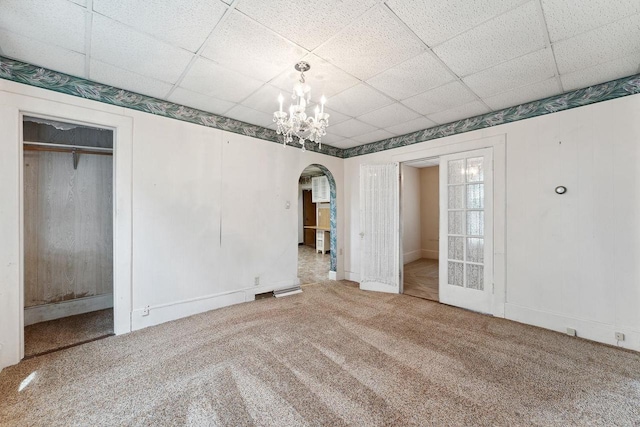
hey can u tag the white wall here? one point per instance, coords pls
(572, 260)
(410, 208)
(208, 211)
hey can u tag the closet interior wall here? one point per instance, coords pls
(68, 217)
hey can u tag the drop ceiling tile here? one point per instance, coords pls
(80, 2)
(527, 69)
(117, 77)
(505, 37)
(376, 135)
(569, 18)
(201, 102)
(265, 99)
(119, 45)
(390, 115)
(612, 41)
(350, 128)
(465, 111)
(335, 117)
(441, 98)
(324, 78)
(56, 22)
(412, 76)
(249, 115)
(186, 23)
(447, 19)
(411, 126)
(358, 100)
(241, 44)
(210, 79)
(370, 45)
(42, 54)
(524, 94)
(618, 68)
(327, 17)
(331, 139)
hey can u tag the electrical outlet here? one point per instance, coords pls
(256, 281)
(619, 336)
(145, 311)
(572, 332)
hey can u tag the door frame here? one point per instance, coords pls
(121, 206)
(498, 144)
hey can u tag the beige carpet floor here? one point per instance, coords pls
(313, 267)
(332, 355)
(421, 279)
(47, 336)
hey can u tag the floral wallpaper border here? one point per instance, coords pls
(32, 75)
(578, 98)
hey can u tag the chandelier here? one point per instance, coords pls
(296, 124)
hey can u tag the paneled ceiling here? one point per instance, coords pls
(387, 67)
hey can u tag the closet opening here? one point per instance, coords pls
(421, 228)
(67, 234)
(316, 200)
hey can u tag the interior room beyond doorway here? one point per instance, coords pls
(420, 224)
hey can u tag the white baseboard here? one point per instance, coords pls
(590, 330)
(411, 256)
(58, 310)
(430, 254)
(354, 277)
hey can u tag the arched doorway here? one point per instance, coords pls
(314, 237)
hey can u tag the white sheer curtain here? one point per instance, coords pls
(379, 193)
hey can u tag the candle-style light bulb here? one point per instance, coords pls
(322, 101)
(280, 100)
(317, 111)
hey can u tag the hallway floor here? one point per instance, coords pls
(421, 279)
(45, 337)
(312, 267)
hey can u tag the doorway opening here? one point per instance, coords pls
(68, 234)
(421, 227)
(316, 225)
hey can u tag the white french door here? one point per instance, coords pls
(466, 230)
(380, 227)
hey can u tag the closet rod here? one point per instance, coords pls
(45, 146)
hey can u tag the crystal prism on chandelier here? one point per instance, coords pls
(296, 124)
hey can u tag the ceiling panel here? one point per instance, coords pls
(59, 22)
(332, 139)
(200, 101)
(283, 16)
(350, 128)
(114, 76)
(119, 45)
(374, 136)
(440, 99)
(390, 115)
(612, 41)
(370, 45)
(415, 75)
(471, 109)
(358, 100)
(265, 99)
(211, 79)
(620, 67)
(569, 18)
(186, 23)
(323, 77)
(241, 44)
(249, 115)
(411, 126)
(505, 37)
(42, 54)
(524, 94)
(447, 19)
(527, 69)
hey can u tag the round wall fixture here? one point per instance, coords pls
(561, 189)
